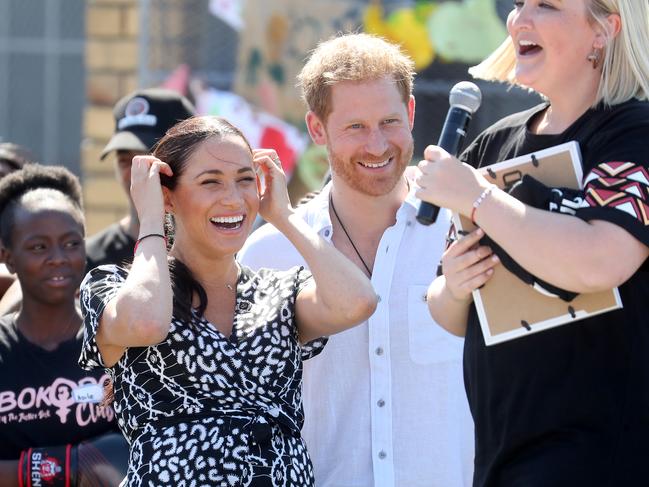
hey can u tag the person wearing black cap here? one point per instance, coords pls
(141, 119)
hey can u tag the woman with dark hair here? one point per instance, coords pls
(204, 354)
(569, 405)
(50, 410)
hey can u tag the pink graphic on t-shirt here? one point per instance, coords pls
(62, 397)
(42, 402)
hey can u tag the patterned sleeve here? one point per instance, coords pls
(97, 289)
(302, 278)
(617, 190)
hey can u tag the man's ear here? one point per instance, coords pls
(316, 128)
(411, 112)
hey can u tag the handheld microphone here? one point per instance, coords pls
(465, 99)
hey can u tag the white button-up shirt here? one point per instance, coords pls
(384, 402)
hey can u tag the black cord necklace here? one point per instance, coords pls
(333, 208)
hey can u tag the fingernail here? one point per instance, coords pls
(480, 232)
(495, 258)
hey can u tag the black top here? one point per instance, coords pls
(206, 409)
(569, 406)
(110, 246)
(45, 398)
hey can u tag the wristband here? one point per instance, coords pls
(54, 466)
(479, 201)
(137, 242)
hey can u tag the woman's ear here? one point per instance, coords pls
(7, 258)
(612, 26)
(260, 184)
(167, 197)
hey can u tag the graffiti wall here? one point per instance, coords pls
(278, 37)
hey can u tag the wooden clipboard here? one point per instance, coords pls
(507, 307)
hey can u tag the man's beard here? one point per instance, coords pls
(364, 182)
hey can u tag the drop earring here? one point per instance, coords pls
(595, 57)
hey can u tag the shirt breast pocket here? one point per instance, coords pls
(429, 343)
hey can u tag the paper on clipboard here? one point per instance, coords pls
(507, 307)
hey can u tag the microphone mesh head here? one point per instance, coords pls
(466, 95)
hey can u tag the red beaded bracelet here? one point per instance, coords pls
(479, 201)
(137, 242)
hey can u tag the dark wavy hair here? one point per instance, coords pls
(34, 177)
(175, 148)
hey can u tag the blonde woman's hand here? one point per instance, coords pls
(274, 203)
(448, 183)
(467, 265)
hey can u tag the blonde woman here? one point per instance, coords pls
(568, 406)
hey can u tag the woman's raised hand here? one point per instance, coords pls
(146, 190)
(467, 265)
(274, 202)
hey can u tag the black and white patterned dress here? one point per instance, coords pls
(203, 409)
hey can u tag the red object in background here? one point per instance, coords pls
(275, 139)
(178, 80)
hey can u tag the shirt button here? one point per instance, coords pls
(378, 298)
(382, 454)
(380, 403)
(379, 351)
(327, 233)
(409, 223)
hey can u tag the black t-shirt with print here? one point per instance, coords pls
(570, 406)
(46, 399)
(110, 246)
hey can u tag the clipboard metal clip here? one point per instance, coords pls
(571, 310)
(535, 161)
(511, 178)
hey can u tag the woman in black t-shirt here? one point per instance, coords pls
(570, 405)
(53, 428)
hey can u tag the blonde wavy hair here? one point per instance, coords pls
(352, 57)
(625, 66)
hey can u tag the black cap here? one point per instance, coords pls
(143, 117)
